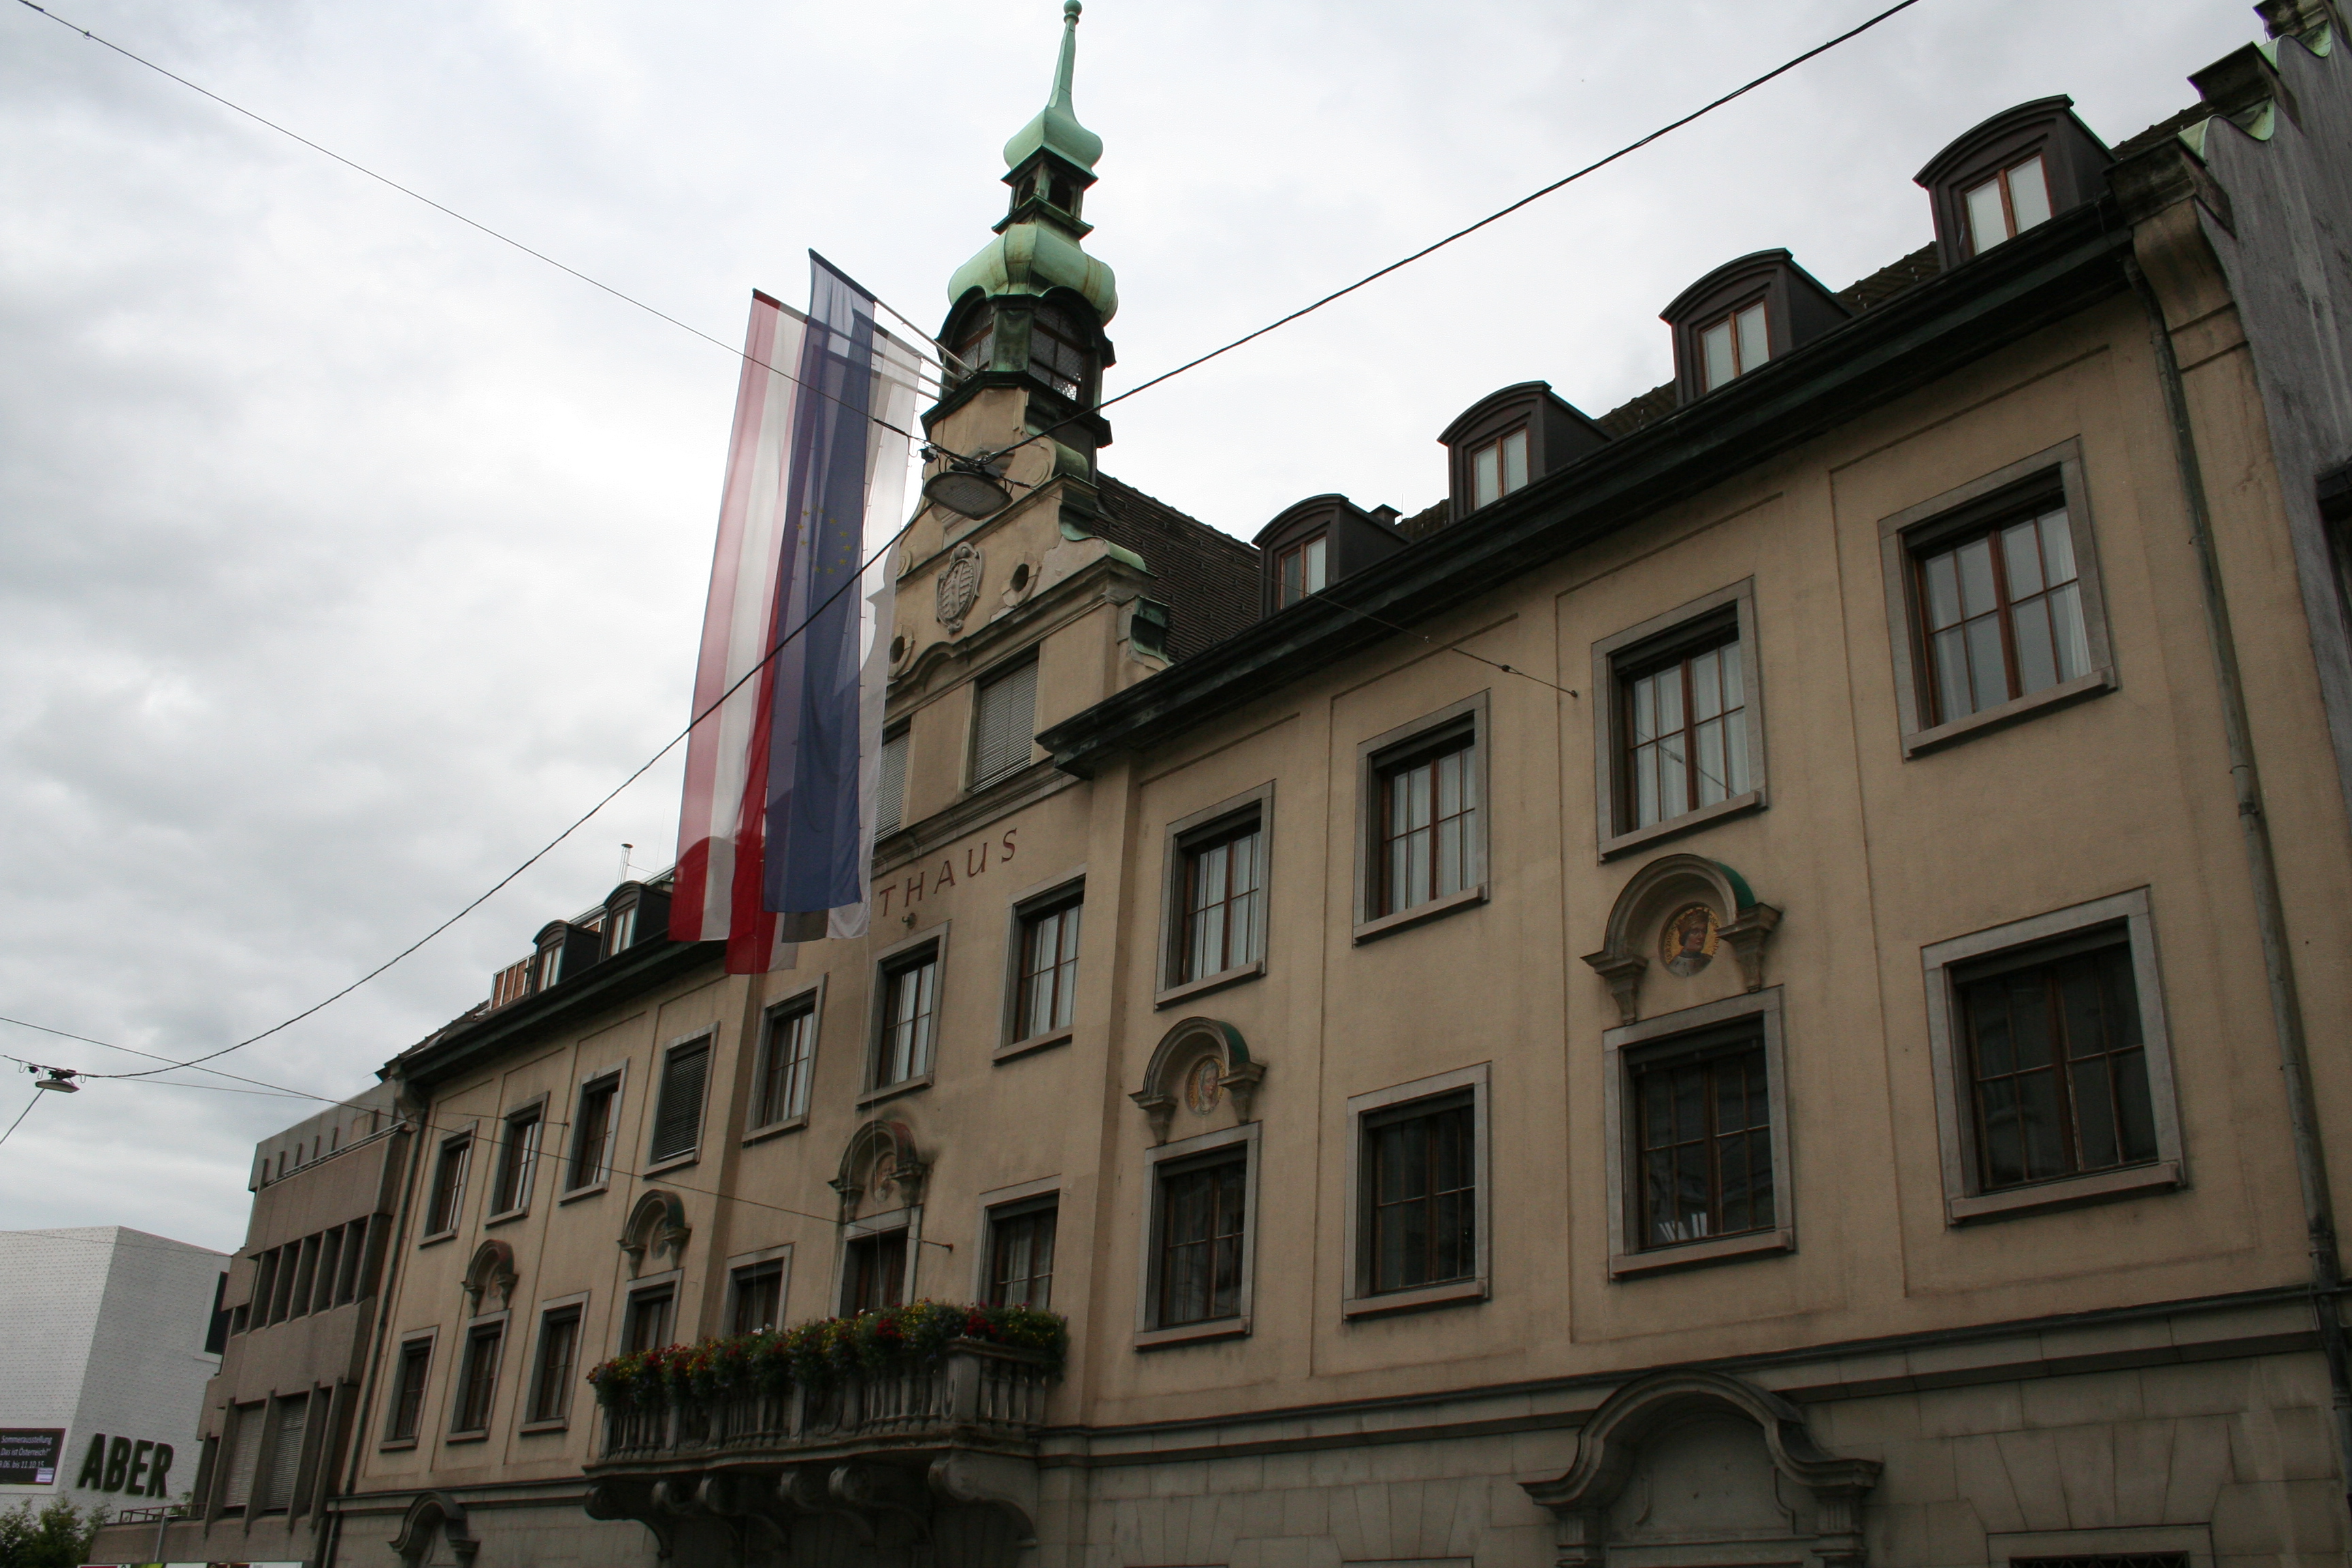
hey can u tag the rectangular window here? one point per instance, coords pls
(592, 1132)
(1223, 909)
(1993, 594)
(891, 785)
(244, 1453)
(355, 1247)
(1044, 999)
(1056, 355)
(1021, 1255)
(1421, 1194)
(1703, 1130)
(477, 1379)
(620, 929)
(2057, 1062)
(293, 1419)
(677, 1107)
(305, 1278)
(652, 1320)
(2003, 612)
(2007, 204)
(1735, 345)
(1498, 467)
(1005, 722)
(787, 1061)
(517, 1159)
(330, 1262)
(265, 1281)
(759, 1296)
(1203, 1213)
(874, 1272)
(408, 1390)
(1699, 1172)
(1429, 842)
(551, 965)
(1685, 730)
(910, 999)
(1300, 569)
(559, 1353)
(449, 1184)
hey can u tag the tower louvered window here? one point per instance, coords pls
(1004, 724)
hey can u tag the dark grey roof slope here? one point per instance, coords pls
(1209, 578)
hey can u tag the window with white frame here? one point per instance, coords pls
(787, 1062)
(908, 1019)
(1498, 467)
(1046, 980)
(447, 1197)
(2007, 205)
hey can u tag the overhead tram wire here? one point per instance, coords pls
(1629, 148)
(20, 1117)
(475, 224)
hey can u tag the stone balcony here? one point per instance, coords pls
(936, 1459)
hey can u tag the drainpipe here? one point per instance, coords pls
(2270, 914)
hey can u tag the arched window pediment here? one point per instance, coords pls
(656, 1228)
(1196, 1064)
(880, 1161)
(1664, 889)
(490, 1277)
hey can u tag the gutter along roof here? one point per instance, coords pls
(2044, 276)
(463, 1045)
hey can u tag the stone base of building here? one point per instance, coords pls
(2195, 1439)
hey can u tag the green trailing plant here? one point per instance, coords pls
(819, 1355)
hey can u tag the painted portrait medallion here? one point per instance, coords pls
(1202, 1086)
(1688, 939)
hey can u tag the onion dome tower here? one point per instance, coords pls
(1027, 313)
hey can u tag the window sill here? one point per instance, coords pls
(576, 1194)
(1202, 987)
(1031, 1045)
(775, 1130)
(454, 1438)
(2059, 696)
(1454, 1292)
(1194, 1333)
(395, 1445)
(436, 1238)
(2067, 1192)
(905, 1086)
(535, 1428)
(503, 1217)
(1688, 822)
(675, 1162)
(1405, 919)
(1700, 1254)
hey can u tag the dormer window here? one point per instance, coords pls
(1498, 467)
(1301, 569)
(1735, 345)
(1058, 354)
(2009, 203)
(620, 928)
(550, 966)
(1735, 320)
(2016, 170)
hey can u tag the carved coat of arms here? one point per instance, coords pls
(958, 588)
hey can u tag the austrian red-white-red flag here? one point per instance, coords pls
(757, 600)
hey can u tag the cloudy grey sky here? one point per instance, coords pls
(345, 554)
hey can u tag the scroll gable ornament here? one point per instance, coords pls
(958, 588)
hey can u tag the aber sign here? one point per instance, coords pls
(119, 1465)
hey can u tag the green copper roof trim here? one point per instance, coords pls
(1740, 891)
(1033, 258)
(1056, 129)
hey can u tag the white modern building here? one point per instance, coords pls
(108, 1336)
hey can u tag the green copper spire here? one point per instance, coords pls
(1039, 244)
(1056, 129)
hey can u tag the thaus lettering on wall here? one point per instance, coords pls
(975, 859)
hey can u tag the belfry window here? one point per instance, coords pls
(1057, 355)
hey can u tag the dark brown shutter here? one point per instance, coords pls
(677, 1119)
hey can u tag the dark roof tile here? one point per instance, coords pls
(1209, 578)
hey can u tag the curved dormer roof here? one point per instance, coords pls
(2074, 165)
(1796, 307)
